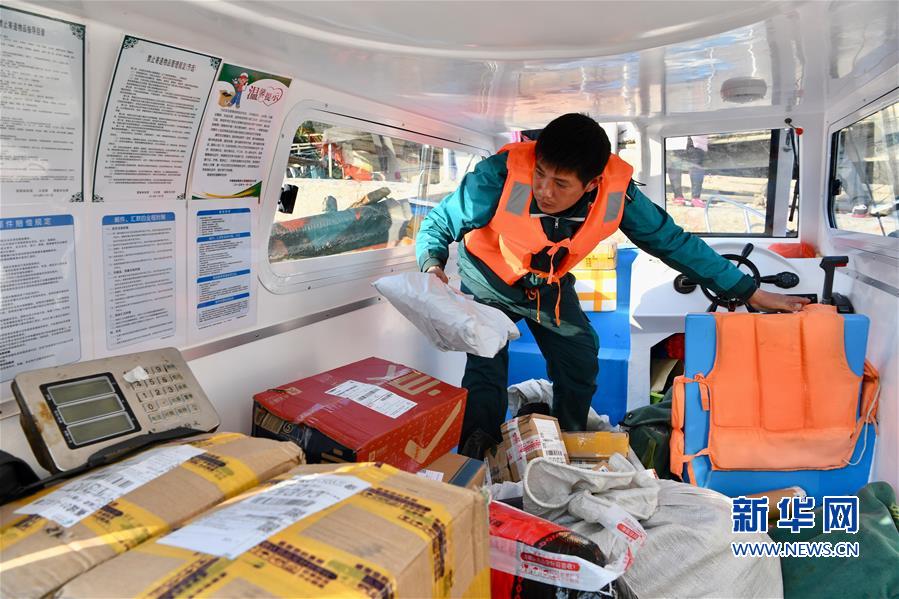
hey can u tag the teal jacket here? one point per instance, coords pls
(651, 229)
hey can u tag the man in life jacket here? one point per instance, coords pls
(528, 215)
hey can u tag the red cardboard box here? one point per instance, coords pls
(369, 411)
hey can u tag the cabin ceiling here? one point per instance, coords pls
(495, 66)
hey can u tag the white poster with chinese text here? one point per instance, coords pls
(151, 121)
(41, 108)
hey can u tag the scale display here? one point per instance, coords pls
(89, 409)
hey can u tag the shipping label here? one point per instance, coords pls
(553, 447)
(431, 474)
(373, 397)
(238, 528)
(76, 500)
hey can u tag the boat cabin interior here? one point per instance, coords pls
(198, 195)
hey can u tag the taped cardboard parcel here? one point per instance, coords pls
(597, 290)
(455, 469)
(603, 257)
(596, 446)
(529, 437)
(369, 411)
(497, 459)
(352, 530)
(38, 555)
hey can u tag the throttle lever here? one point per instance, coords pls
(829, 264)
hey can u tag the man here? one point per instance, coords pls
(527, 215)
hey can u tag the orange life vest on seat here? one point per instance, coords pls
(507, 243)
(780, 395)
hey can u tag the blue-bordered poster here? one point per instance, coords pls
(39, 312)
(139, 277)
(223, 280)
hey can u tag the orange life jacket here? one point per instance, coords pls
(511, 238)
(780, 395)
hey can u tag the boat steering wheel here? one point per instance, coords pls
(784, 280)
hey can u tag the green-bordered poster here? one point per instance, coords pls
(238, 134)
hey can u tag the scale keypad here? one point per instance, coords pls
(164, 396)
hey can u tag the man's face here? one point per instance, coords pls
(557, 190)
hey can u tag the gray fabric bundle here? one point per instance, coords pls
(686, 551)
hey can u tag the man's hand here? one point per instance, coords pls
(776, 302)
(438, 272)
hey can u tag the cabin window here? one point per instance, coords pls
(742, 184)
(864, 175)
(349, 190)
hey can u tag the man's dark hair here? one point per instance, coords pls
(575, 142)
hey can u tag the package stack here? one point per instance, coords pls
(525, 438)
(67, 530)
(369, 411)
(597, 282)
(352, 530)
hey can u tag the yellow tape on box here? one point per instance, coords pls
(597, 290)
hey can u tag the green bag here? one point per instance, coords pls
(874, 573)
(649, 429)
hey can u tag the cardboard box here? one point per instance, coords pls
(595, 446)
(532, 436)
(455, 469)
(603, 257)
(40, 554)
(356, 530)
(368, 411)
(597, 290)
(497, 459)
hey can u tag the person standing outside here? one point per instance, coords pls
(525, 217)
(687, 153)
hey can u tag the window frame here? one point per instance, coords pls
(310, 273)
(843, 238)
(774, 176)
